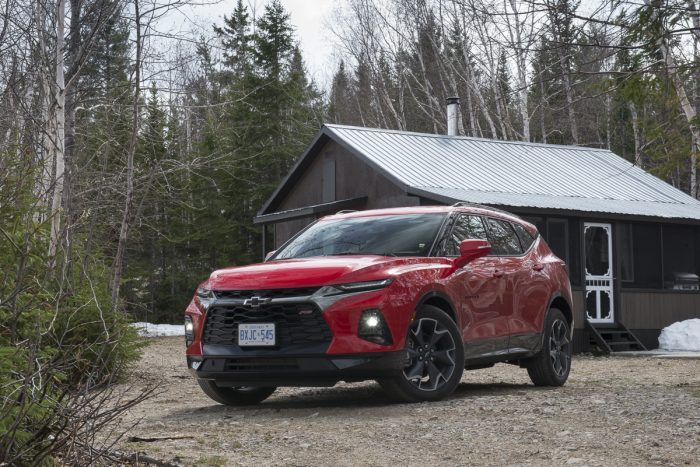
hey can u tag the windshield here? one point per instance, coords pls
(404, 235)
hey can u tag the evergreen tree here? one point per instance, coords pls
(340, 102)
(274, 42)
(236, 39)
(153, 140)
(503, 78)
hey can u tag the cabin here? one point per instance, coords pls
(631, 241)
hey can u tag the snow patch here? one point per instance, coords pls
(161, 330)
(683, 335)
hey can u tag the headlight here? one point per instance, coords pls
(206, 297)
(189, 331)
(363, 286)
(353, 287)
(328, 295)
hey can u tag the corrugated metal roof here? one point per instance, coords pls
(508, 173)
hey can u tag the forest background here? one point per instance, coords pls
(133, 158)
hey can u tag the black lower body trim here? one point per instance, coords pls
(295, 370)
(483, 353)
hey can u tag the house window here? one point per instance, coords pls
(558, 238)
(643, 271)
(679, 253)
(626, 246)
(328, 180)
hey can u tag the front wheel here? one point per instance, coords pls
(435, 359)
(552, 365)
(235, 396)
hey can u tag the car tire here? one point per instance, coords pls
(235, 396)
(551, 366)
(433, 337)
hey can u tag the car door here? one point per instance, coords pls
(531, 292)
(506, 246)
(482, 296)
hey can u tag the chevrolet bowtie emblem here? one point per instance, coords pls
(255, 302)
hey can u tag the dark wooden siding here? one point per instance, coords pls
(656, 310)
(579, 313)
(353, 178)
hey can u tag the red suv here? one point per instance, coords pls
(409, 297)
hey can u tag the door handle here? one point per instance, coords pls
(497, 273)
(538, 266)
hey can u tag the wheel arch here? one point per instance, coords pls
(440, 300)
(559, 301)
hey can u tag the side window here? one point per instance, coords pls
(465, 227)
(503, 240)
(526, 240)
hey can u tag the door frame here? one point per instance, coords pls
(600, 283)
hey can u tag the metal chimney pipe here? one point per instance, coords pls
(452, 115)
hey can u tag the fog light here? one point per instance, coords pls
(189, 331)
(373, 328)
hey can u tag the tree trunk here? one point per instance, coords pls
(570, 103)
(637, 136)
(70, 93)
(133, 140)
(521, 60)
(608, 121)
(59, 142)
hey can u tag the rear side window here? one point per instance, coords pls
(526, 240)
(465, 227)
(504, 241)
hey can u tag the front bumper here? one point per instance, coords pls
(229, 365)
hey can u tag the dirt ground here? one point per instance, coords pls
(613, 411)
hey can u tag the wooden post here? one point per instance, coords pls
(263, 242)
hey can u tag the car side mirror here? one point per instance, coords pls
(269, 254)
(471, 249)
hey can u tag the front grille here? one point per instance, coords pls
(272, 293)
(295, 323)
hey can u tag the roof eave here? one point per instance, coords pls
(542, 210)
(322, 137)
(310, 211)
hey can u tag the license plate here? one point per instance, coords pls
(256, 334)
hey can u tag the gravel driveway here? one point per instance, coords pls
(613, 411)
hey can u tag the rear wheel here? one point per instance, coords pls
(236, 396)
(552, 365)
(435, 359)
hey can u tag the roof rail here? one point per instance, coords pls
(468, 204)
(346, 211)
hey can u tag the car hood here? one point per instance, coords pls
(316, 271)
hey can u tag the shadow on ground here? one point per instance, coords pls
(343, 399)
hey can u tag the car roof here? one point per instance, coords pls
(477, 210)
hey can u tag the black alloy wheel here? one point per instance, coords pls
(559, 348)
(431, 350)
(552, 365)
(434, 358)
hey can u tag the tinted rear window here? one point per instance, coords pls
(526, 240)
(504, 241)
